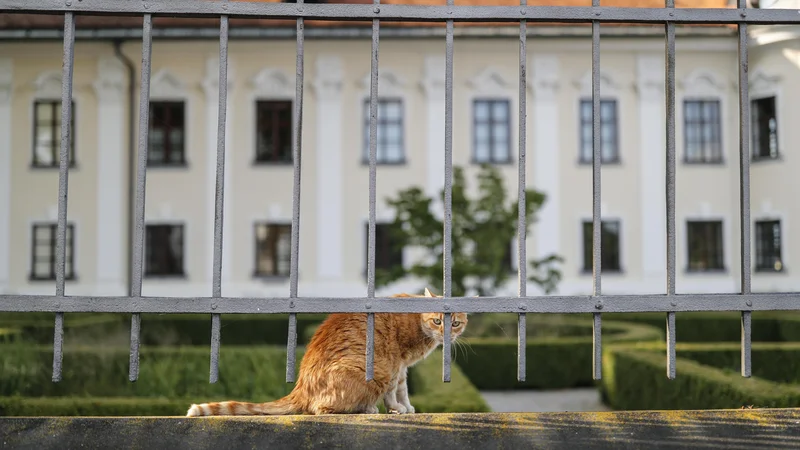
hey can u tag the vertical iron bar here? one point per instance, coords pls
(670, 181)
(373, 157)
(297, 145)
(138, 234)
(744, 186)
(63, 182)
(522, 222)
(219, 198)
(447, 244)
(596, 219)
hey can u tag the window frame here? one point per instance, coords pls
(759, 249)
(720, 244)
(167, 145)
(582, 159)
(55, 129)
(701, 122)
(147, 272)
(380, 157)
(69, 260)
(586, 239)
(755, 151)
(257, 273)
(274, 122)
(492, 159)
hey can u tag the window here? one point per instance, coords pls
(768, 246)
(274, 131)
(388, 254)
(273, 249)
(166, 137)
(610, 239)
(390, 132)
(43, 257)
(765, 128)
(705, 245)
(164, 250)
(490, 132)
(47, 133)
(702, 134)
(609, 151)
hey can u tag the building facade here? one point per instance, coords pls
(334, 201)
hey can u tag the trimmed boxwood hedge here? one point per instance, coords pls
(768, 326)
(634, 377)
(552, 363)
(170, 379)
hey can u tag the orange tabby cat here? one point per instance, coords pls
(332, 372)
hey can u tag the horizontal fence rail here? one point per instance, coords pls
(597, 303)
(282, 305)
(193, 8)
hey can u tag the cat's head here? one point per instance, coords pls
(433, 323)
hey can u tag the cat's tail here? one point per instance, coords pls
(280, 407)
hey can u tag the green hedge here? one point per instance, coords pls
(634, 377)
(768, 326)
(170, 379)
(552, 363)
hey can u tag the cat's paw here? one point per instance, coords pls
(409, 409)
(396, 409)
(372, 410)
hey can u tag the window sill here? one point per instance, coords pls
(270, 278)
(718, 163)
(257, 163)
(721, 271)
(612, 162)
(166, 276)
(508, 162)
(766, 271)
(32, 278)
(161, 165)
(765, 159)
(402, 162)
(603, 272)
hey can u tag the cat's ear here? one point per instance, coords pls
(428, 293)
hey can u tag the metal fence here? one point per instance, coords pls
(597, 303)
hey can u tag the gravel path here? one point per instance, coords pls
(586, 399)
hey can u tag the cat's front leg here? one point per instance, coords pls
(402, 391)
(390, 399)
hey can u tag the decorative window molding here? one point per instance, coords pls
(702, 83)
(164, 85)
(273, 83)
(608, 86)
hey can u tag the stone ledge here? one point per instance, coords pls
(740, 429)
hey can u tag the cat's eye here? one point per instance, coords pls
(456, 323)
(437, 321)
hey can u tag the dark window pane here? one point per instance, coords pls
(610, 246)
(764, 128)
(768, 246)
(608, 131)
(273, 249)
(43, 256)
(164, 250)
(166, 134)
(274, 131)
(388, 252)
(47, 133)
(704, 240)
